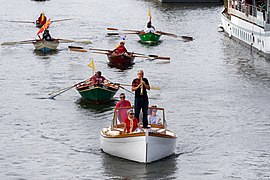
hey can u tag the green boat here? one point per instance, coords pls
(99, 93)
(149, 38)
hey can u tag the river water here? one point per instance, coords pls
(216, 93)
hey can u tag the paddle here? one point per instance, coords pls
(115, 34)
(59, 20)
(187, 38)
(32, 22)
(76, 41)
(97, 49)
(152, 56)
(115, 29)
(61, 91)
(18, 42)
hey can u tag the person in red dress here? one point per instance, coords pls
(131, 123)
(122, 113)
(41, 19)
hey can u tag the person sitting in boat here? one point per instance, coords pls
(98, 79)
(41, 19)
(131, 123)
(120, 50)
(153, 118)
(149, 28)
(122, 113)
(46, 35)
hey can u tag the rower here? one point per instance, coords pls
(121, 49)
(41, 19)
(98, 79)
(46, 35)
(149, 28)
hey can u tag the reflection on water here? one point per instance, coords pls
(45, 55)
(97, 107)
(117, 168)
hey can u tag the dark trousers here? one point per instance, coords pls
(141, 103)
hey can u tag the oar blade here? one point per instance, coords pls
(112, 29)
(187, 38)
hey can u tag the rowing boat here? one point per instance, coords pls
(144, 146)
(46, 46)
(120, 61)
(98, 93)
(149, 38)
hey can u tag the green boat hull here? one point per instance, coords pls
(149, 38)
(100, 94)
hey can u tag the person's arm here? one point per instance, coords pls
(125, 127)
(146, 84)
(134, 87)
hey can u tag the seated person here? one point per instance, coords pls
(131, 122)
(149, 28)
(98, 79)
(122, 113)
(153, 118)
(46, 35)
(121, 50)
(41, 19)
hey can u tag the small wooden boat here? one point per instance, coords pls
(144, 146)
(46, 46)
(120, 61)
(99, 93)
(149, 38)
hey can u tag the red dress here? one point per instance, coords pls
(122, 113)
(135, 124)
(121, 49)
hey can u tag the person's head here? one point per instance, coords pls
(140, 74)
(130, 113)
(122, 43)
(122, 97)
(98, 73)
(154, 112)
(149, 25)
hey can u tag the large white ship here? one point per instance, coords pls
(249, 22)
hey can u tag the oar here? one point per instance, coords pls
(97, 49)
(77, 41)
(115, 29)
(97, 52)
(18, 42)
(58, 20)
(115, 34)
(77, 48)
(61, 91)
(151, 87)
(187, 38)
(152, 57)
(32, 22)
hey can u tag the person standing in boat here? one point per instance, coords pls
(41, 19)
(130, 123)
(122, 113)
(46, 35)
(149, 28)
(140, 85)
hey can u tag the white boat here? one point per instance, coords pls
(146, 146)
(46, 46)
(248, 23)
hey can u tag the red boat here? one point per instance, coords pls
(121, 61)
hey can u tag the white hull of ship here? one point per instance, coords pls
(143, 147)
(250, 34)
(46, 46)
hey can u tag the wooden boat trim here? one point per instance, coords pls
(115, 89)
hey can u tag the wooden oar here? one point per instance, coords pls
(115, 34)
(18, 42)
(152, 57)
(115, 29)
(98, 52)
(32, 22)
(59, 20)
(151, 87)
(98, 49)
(61, 91)
(77, 41)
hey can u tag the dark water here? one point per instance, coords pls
(215, 91)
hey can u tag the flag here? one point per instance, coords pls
(149, 14)
(42, 17)
(45, 26)
(92, 65)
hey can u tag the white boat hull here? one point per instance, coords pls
(46, 46)
(143, 147)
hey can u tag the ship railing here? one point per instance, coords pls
(248, 12)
